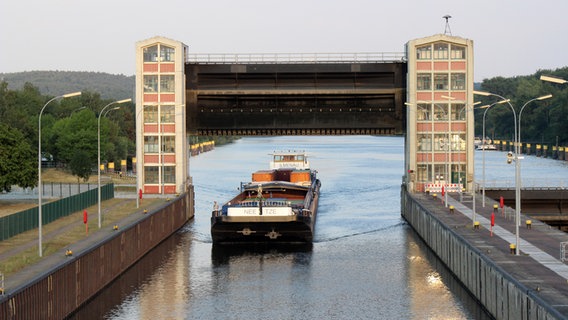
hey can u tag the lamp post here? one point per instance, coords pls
(486, 107)
(448, 153)
(516, 157)
(473, 218)
(99, 152)
(459, 160)
(448, 164)
(39, 186)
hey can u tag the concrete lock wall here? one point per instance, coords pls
(59, 292)
(501, 295)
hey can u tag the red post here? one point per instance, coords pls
(492, 222)
(140, 194)
(85, 220)
(502, 205)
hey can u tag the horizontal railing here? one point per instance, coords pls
(275, 58)
(534, 184)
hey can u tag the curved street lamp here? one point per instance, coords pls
(465, 108)
(516, 158)
(99, 151)
(486, 107)
(39, 186)
(553, 79)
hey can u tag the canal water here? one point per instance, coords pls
(365, 262)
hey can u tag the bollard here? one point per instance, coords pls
(512, 247)
(452, 209)
(476, 224)
(529, 224)
(434, 196)
(495, 207)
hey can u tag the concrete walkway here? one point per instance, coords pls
(35, 271)
(526, 247)
(538, 268)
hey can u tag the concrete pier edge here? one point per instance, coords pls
(55, 288)
(503, 296)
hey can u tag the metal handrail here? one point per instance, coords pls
(533, 184)
(261, 58)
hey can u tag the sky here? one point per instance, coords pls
(511, 37)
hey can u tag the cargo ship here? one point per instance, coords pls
(279, 205)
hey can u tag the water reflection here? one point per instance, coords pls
(158, 280)
(435, 292)
(222, 255)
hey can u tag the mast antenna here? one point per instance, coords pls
(447, 30)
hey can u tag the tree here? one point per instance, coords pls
(80, 165)
(18, 164)
(75, 142)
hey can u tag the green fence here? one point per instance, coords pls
(23, 221)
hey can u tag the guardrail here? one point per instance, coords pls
(535, 184)
(25, 220)
(265, 58)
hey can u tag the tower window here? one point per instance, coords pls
(424, 81)
(458, 81)
(168, 144)
(440, 51)
(167, 114)
(167, 83)
(151, 54)
(169, 174)
(424, 52)
(150, 83)
(167, 53)
(458, 52)
(441, 81)
(150, 114)
(151, 175)
(150, 144)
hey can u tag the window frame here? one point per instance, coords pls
(169, 174)
(422, 79)
(441, 81)
(151, 83)
(151, 144)
(424, 52)
(150, 55)
(441, 51)
(151, 174)
(168, 144)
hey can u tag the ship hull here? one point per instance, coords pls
(297, 228)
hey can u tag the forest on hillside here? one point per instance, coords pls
(54, 83)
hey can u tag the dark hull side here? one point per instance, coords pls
(298, 229)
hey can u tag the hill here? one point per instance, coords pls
(53, 83)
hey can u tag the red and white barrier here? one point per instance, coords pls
(437, 187)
